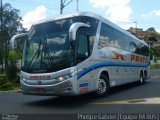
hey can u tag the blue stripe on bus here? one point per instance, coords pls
(103, 64)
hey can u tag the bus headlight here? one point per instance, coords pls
(62, 78)
(22, 78)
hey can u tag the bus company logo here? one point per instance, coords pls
(140, 59)
(41, 77)
(118, 56)
(39, 82)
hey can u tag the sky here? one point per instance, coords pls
(124, 13)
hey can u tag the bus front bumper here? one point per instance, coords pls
(60, 89)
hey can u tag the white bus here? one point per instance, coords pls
(79, 53)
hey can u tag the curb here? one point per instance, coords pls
(11, 91)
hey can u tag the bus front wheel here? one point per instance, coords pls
(141, 79)
(103, 86)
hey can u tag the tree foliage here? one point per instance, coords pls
(151, 29)
(155, 50)
(153, 37)
(11, 25)
(11, 20)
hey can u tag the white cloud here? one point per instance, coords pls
(33, 16)
(148, 14)
(115, 10)
(158, 30)
(157, 13)
(152, 13)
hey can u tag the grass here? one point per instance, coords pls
(6, 85)
(156, 66)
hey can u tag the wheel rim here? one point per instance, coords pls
(141, 79)
(102, 86)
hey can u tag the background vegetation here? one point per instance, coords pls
(11, 25)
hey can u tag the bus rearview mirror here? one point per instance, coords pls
(73, 29)
(13, 39)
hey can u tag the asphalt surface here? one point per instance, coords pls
(129, 99)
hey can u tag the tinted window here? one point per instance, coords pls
(138, 45)
(145, 50)
(106, 36)
(48, 45)
(119, 40)
(126, 42)
(83, 46)
(112, 37)
(90, 32)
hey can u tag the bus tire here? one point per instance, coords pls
(141, 81)
(103, 86)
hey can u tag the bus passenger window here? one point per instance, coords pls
(106, 36)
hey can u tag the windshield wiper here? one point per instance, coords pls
(37, 53)
(45, 54)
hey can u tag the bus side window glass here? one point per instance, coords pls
(138, 45)
(145, 50)
(105, 36)
(126, 43)
(132, 46)
(83, 47)
(117, 38)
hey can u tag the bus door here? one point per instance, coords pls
(82, 60)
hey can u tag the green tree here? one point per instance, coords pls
(153, 37)
(151, 29)
(155, 50)
(11, 25)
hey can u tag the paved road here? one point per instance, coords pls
(132, 98)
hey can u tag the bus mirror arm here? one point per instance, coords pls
(73, 30)
(12, 41)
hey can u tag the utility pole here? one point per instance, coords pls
(136, 27)
(63, 4)
(1, 15)
(1, 33)
(77, 5)
(61, 7)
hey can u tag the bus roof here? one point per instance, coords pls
(63, 16)
(93, 15)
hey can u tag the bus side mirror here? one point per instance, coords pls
(13, 39)
(73, 30)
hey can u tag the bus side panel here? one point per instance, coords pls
(85, 77)
(121, 67)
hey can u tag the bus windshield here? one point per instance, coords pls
(47, 48)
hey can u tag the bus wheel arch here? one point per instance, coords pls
(103, 84)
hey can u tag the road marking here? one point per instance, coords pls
(156, 76)
(154, 100)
